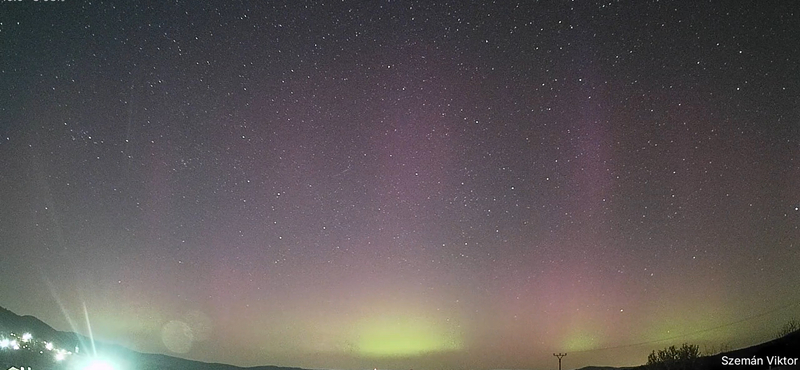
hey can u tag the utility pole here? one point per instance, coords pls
(559, 355)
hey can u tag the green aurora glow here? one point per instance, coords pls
(404, 336)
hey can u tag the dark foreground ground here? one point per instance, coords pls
(35, 355)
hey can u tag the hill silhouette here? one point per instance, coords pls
(787, 346)
(35, 354)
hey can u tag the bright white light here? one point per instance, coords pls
(98, 364)
(14, 344)
(49, 346)
(4, 343)
(26, 337)
(60, 356)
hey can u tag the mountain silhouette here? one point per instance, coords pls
(786, 347)
(35, 353)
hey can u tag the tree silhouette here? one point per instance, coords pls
(672, 358)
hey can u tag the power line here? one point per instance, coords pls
(559, 355)
(696, 332)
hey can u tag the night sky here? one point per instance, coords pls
(402, 184)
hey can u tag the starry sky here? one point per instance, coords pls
(402, 184)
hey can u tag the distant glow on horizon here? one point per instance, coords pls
(99, 364)
(580, 341)
(397, 184)
(395, 336)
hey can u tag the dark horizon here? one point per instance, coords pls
(401, 184)
(34, 343)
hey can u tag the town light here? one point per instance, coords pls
(98, 364)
